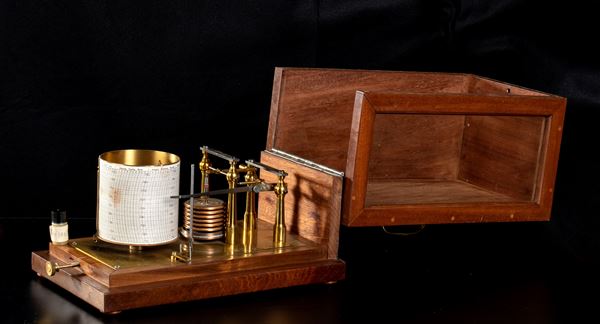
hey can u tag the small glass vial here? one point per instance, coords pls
(59, 230)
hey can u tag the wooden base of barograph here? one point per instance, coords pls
(112, 279)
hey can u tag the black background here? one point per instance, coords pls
(81, 78)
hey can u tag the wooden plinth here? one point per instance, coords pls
(202, 286)
(112, 279)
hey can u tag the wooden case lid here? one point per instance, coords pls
(315, 115)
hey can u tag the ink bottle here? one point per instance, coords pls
(59, 229)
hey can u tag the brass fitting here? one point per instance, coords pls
(204, 167)
(280, 190)
(249, 227)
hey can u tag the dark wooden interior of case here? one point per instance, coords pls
(427, 159)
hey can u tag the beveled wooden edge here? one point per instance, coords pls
(451, 103)
(551, 154)
(108, 300)
(470, 76)
(361, 138)
(368, 104)
(274, 113)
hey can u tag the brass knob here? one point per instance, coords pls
(52, 268)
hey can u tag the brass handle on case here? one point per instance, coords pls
(52, 268)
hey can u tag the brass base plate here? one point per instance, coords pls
(120, 256)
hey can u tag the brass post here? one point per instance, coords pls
(249, 229)
(232, 177)
(191, 231)
(279, 227)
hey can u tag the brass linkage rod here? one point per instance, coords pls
(279, 173)
(229, 158)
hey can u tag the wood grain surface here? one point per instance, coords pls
(422, 191)
(179, 290)
(415, 146)
(506, 149)
(311, 109)
(312, 204)
(504, 154)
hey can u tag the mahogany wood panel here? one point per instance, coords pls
(217, 284)
(311, 109)
(312, 204)
(412, 146)
(502, 154)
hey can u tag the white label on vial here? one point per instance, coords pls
(59, 233)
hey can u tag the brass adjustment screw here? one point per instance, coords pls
(52, 268)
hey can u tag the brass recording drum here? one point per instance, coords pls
(133, 202)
